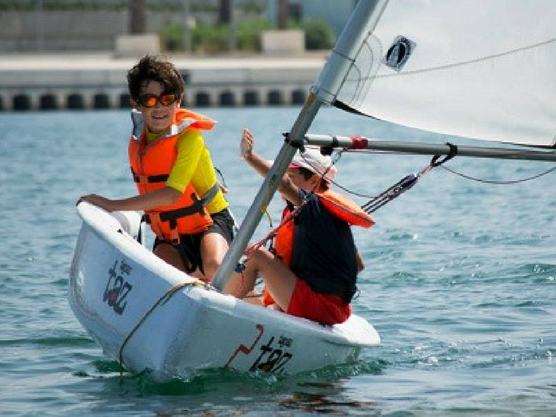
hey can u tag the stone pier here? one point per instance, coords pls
(98, 81)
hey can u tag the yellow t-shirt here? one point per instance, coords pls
(193, 164)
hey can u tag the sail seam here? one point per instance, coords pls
(363, 83)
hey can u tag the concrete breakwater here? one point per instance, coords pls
(98, 81)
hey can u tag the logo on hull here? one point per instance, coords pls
(117, 288)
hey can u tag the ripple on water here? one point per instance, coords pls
(459, 282)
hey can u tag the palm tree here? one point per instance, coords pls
(225, 12)
(283, 7)
(137, 16)
(226, 17)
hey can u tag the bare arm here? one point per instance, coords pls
(163, 197)
(287, 188)
(359, 261)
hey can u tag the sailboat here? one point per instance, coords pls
(470, 69)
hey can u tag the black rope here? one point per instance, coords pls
(508, 182)
(391, 193)
(297, 144)
(327, 150)
(140, 232)
(436, 161)
(407, 182)
(221, 176)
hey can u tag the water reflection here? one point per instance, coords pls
(327, 398)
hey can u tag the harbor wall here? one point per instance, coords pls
(76, 81)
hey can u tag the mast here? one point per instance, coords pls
(362, 20)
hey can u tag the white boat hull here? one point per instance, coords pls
(115, 281)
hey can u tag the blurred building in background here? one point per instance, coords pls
(96, 25)
(74, 54)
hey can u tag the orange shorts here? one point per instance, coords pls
(322, 308)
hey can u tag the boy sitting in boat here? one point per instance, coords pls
(313, 269)
(171, 165)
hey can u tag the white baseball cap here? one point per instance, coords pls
(315, 162)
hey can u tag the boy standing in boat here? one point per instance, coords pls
(171, 165)
(313, 271)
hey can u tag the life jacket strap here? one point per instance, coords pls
(149, 179)
(210, 194)
(174, 234)
(171, 216)
(198, 206)
(154, 220)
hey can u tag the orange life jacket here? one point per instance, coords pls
(345, 209)
(151, 165)
(340, 206)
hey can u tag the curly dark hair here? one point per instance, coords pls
(151, 68)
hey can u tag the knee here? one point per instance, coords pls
(210, 266)
(262, 255)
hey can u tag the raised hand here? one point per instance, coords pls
(246, 144)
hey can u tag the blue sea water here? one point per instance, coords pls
(459, 280)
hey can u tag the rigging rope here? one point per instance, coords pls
(468, 177)
(407, 182)
(270, 235)
(251, 249)
(388, 195)
(165, 297)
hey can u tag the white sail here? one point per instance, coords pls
(482, 69)
(472, 68)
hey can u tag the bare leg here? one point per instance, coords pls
(169, 254)
(279, 279)
(254, 297)
(213, 249)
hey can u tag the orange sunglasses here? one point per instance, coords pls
(150, 100)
